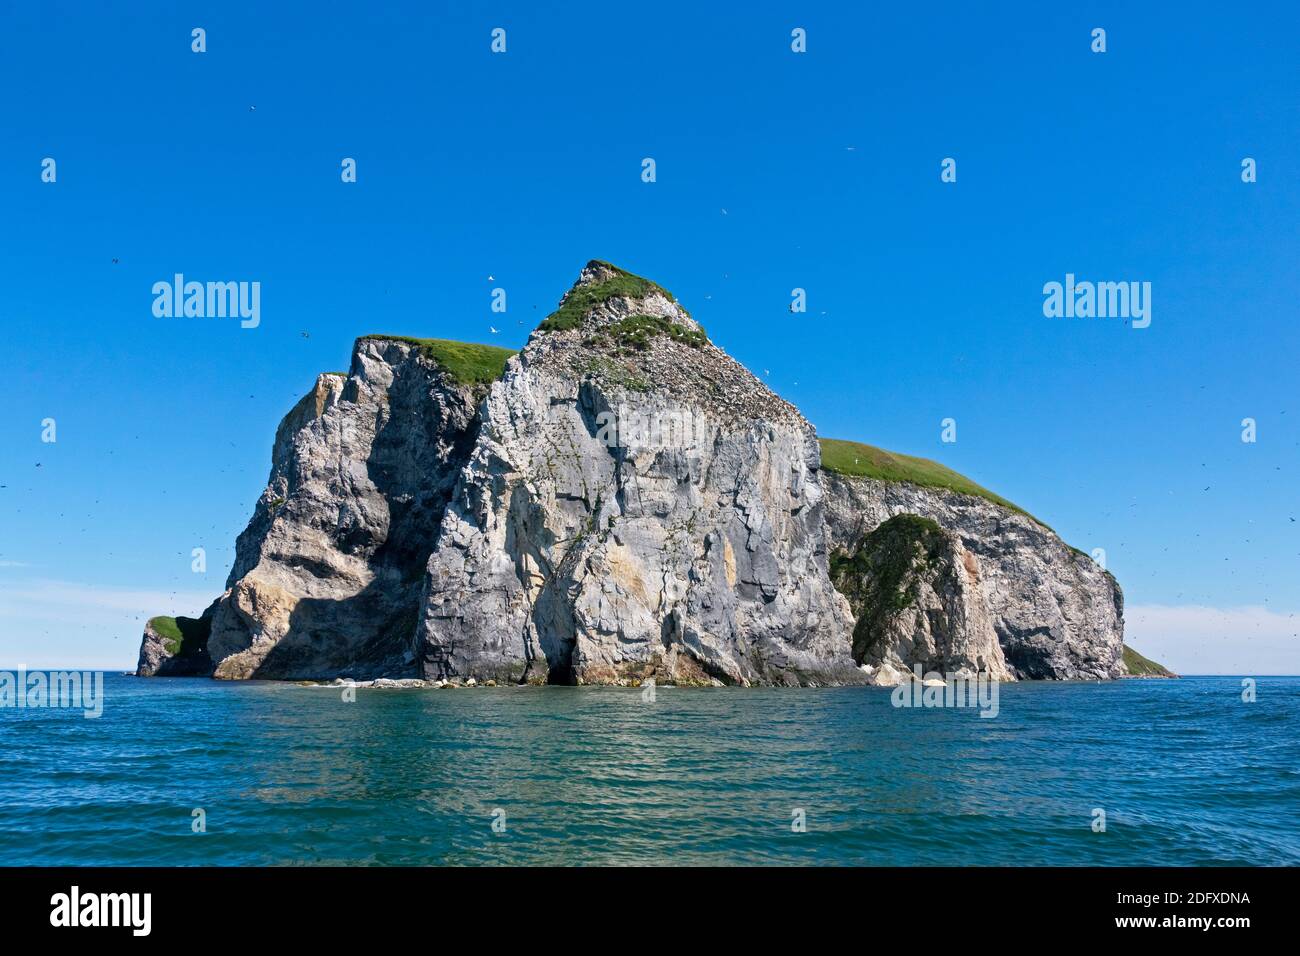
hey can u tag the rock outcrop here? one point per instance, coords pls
(328, 575)
(916, 594)
(638, 504)
(620, 501)
(1056, 613)
(176, 647)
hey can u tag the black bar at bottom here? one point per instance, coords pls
(296, 904)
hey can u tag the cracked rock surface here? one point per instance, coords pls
(624, 503)
(328, 574)
(635, 512)
(915, 591)
(1056, 613)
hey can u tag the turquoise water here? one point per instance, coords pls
(1187, 774)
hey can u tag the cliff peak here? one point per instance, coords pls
(605, 294)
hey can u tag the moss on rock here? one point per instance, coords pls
(880, 578)
(583, 298)
(636, 331)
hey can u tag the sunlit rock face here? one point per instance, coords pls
(620, 501)
(637, 505)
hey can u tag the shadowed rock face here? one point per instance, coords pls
(328, 574)
(1056, 613)
(181, 653)
(915, 592)
(634, 509)
(625, 502)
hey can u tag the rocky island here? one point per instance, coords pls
(621, 501)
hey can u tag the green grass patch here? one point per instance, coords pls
(636, 332)
(867, 461)
(582, 299)
(182, 636)
(469, 363)
(1140, 666)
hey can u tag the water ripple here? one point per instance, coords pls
(286, 775)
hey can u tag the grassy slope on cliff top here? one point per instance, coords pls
(182, 636)
(1140, 666)
(867, 461)
(467, 362)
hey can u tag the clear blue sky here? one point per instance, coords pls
(924, 298)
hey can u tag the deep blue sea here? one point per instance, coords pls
(1186, 772)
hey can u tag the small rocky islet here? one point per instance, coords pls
(622, 502)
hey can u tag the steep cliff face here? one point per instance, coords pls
(1056, 613)
(637, 504)
(620, 501)
(328, 574)
(915, 591)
